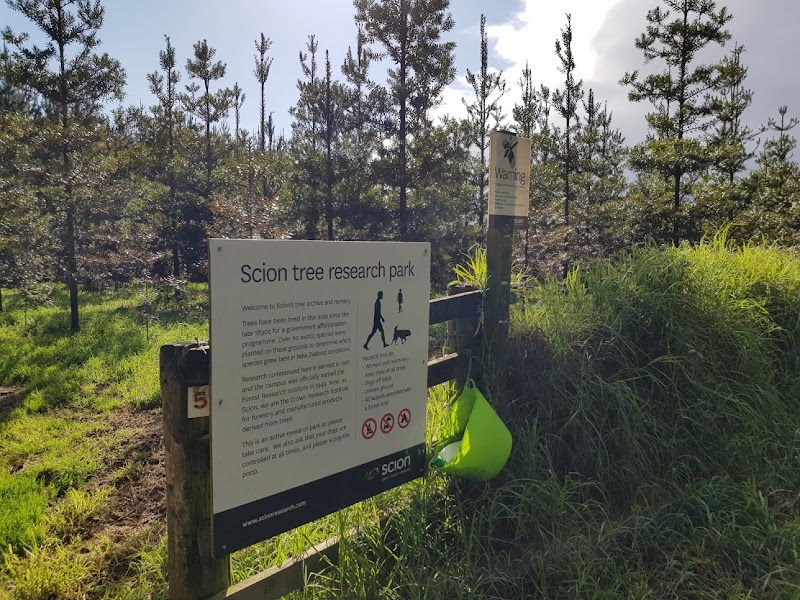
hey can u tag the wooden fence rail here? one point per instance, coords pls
(193, 571)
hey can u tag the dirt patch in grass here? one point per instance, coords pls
(132, 446)
(111, 528)
(10, 398)
(136, 469)
(136, 514)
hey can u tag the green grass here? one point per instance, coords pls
(58, 440)
(653, 404)
(111, 362)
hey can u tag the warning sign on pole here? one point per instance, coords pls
(509, 180)
(315, 347)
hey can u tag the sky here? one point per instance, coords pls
(519, 30)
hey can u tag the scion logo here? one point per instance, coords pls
(394, 466)
(389, 468)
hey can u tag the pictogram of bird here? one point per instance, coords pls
(509, 153)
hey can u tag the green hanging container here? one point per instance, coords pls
(485, 439)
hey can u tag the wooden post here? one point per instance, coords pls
(498, 299)
(461, 334)
(193, 572)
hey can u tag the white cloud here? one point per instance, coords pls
(452, 104)
(530, 36)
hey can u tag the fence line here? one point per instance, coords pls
(193, 571)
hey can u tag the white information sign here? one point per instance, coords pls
(509, 180)
(318, 379)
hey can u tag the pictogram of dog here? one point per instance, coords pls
(400, 334)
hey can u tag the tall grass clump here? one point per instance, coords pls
(667, 383)
(675, 364)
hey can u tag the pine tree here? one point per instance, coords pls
(774, 213)
(729, 136)
(332, 99)
(600, 151)
(360, 211)
(719, 195)
(317, 134)
(527, 118)
(680, 94)
(526, 114)
(270, 133)
(210, 107)
(532, 118)
(17, 207)
(566, 103)
(240, 206)
(779, 150)
(600, 180)
(261, 71)
(237, 98)
(164, 87)
(484, 112)
(408, 33)
(306, 193)
(586, 142)
(27, 243)
(75, 80)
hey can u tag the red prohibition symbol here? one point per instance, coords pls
(369, 428)
(404, 418)
(387, 423)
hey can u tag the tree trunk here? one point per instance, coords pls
(567, 168)
(72, 268)
(329, 192)
(403, 214)
(676, 207)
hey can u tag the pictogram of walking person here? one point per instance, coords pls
(400, 301)
(377, 323)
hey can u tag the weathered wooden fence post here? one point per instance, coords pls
(498, 298)
(193, 572)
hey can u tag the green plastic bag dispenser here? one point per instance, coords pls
(485, 439)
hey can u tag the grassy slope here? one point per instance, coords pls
(655, 423)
